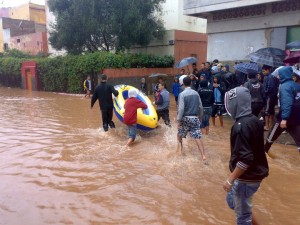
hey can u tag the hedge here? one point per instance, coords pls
(66, 73)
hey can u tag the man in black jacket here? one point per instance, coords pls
(248, 163)
(103, 93)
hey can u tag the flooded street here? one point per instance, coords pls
(57, 167)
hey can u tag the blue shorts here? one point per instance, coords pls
(132, 131)
(239, 198)
(191, 125)
(206, 116)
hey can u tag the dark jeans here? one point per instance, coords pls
(257, 107)
(276, 131)
(164, 114)
(107, 115)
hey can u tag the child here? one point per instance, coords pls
(87, 86)
(175, 89)
(130, 115)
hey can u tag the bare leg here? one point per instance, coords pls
(254, 221)
(179, 138)
(129, 142)
(207, 130)
(201, 148)
(203, 130)
(213, 119)
(221, 120)
(267, 119)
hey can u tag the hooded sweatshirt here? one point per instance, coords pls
(247, 137)
(289, 95)
(131, 105)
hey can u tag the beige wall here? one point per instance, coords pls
(29, 11)
(21, 12)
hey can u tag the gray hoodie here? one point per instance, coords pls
(238, 102)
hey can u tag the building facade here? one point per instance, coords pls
(185, 35)
(24, 28)
(237, 28)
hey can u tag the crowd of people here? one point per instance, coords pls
(213, 91)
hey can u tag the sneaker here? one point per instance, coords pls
(105, 127)
(112, 124)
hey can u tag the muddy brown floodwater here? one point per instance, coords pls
(57, 167)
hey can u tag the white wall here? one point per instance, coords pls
(233, 46)
(175, 20)
(157, 47)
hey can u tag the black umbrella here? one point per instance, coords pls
(272, 51)
(265, 59)
(294, 44)
(247, 68)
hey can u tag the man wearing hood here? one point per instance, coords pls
(288, 117)
(248, 163)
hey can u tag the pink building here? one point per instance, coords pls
(30, 43)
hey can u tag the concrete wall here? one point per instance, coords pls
(21, 12)
(185, 44)
(30, 43)
(133, 76)
(29, 11)
(190, 44)
(18, 27)
(245, 26)
(157, 47)
(37, 13)
(234, 45)
(205, 7)
(175, 19)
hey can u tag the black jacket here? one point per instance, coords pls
(207, 96)
(247, 148)
(256, 91)
(103, 93)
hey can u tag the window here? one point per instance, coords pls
(5, 46)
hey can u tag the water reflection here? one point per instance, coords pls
(57, 167)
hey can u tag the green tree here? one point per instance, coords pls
(104, 24)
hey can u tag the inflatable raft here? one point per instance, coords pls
(146, 119)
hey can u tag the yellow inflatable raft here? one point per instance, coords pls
(146, 119)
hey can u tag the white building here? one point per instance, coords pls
(237, 28)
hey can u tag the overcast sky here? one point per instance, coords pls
(12, 3)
